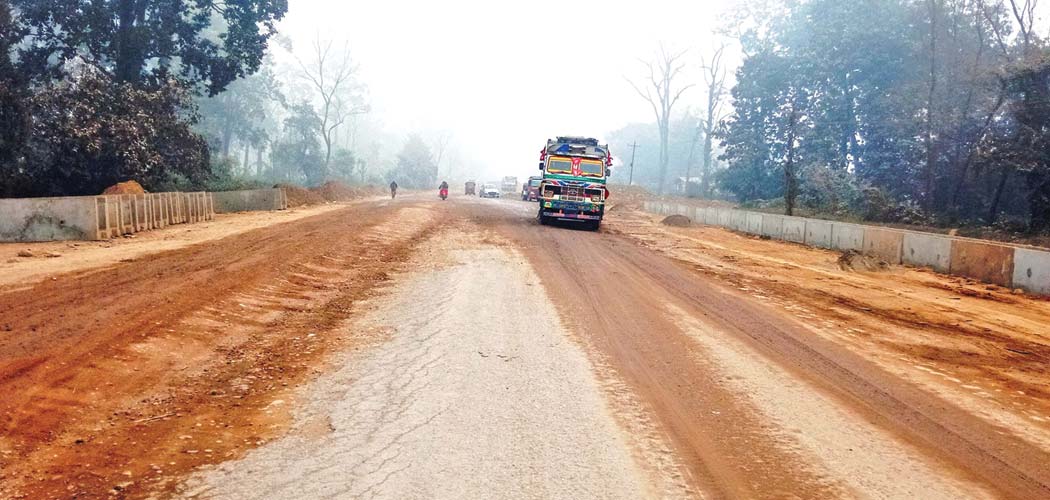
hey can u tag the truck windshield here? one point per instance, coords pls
(591, 168)
(557, 166)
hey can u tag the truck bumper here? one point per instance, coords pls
(568, 210)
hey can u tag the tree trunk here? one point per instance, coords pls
(129, 51)
(790, 174)
(931, 155)
(244, 164)
(663, 155)
(993, 212)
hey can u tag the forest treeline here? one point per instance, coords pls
(181, 94)
(916, 111)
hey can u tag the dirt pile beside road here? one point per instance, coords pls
(676, 221)
(299, 196)
(329, 192)
(127, 187)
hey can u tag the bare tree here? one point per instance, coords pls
(440, 146)
(715, 72)
(332, 76)
(662, 93)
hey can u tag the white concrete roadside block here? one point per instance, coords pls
(699, 214)
(725, 217)
(681, 209)
(49, 219)
(847, 237)
(647, 206)
(773, 226)
(738, 220)
(794, 229)
(1032, 270)
(927, 250)
(818, 233)
(754, 223)
(711, 216)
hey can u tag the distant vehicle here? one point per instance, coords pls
(509, 185)
(575, 170)
(530, 191)
(489, 191)
(469, 188)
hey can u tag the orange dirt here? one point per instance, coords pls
(128, 187)
(955, 369)
(117, 381)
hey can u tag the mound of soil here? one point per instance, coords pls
(855, 261)
(676, 221)
(335, 191)
(299, 196)
(629, 197)
(127, 187)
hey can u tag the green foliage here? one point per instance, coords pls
(876, 108)
(89, 133)
(203, 43)
(415, 165)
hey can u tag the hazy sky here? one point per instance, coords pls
(502, 77)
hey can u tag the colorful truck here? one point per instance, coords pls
(575, 170)
(530, 189)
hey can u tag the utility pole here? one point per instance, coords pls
(630, 178)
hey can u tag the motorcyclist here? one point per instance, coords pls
(443, 190)
(393, 189)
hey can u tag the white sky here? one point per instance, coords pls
(502, 77)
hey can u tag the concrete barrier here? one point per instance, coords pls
(990, 262)
(725, 217)
(738, 220)
(847, 237)
(754, 223)
(794, 229)
(818, 233)
(772, 226)
(1032, 270)
(49, 219)
(886, 244)
(983, 261)
(927, 250)
(711, 216)
(248, 200)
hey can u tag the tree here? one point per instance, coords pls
(662, 93)
(332, 76)
(204, 44)
(298, 156)
(715, 72)
(247, 111)
(89, 133)
(14, 112)
(415, 164)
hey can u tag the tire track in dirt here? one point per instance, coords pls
(120, 379)
(613, 305)
(467, 396)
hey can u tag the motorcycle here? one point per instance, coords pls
(443, 193)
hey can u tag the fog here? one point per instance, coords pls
(501, 78)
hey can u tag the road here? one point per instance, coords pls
(420, 349)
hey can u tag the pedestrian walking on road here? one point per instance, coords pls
(393, 189)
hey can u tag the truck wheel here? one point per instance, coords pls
(544, 220)
(593, 225)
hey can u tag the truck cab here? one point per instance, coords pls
(573, 184)
(530, 190)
